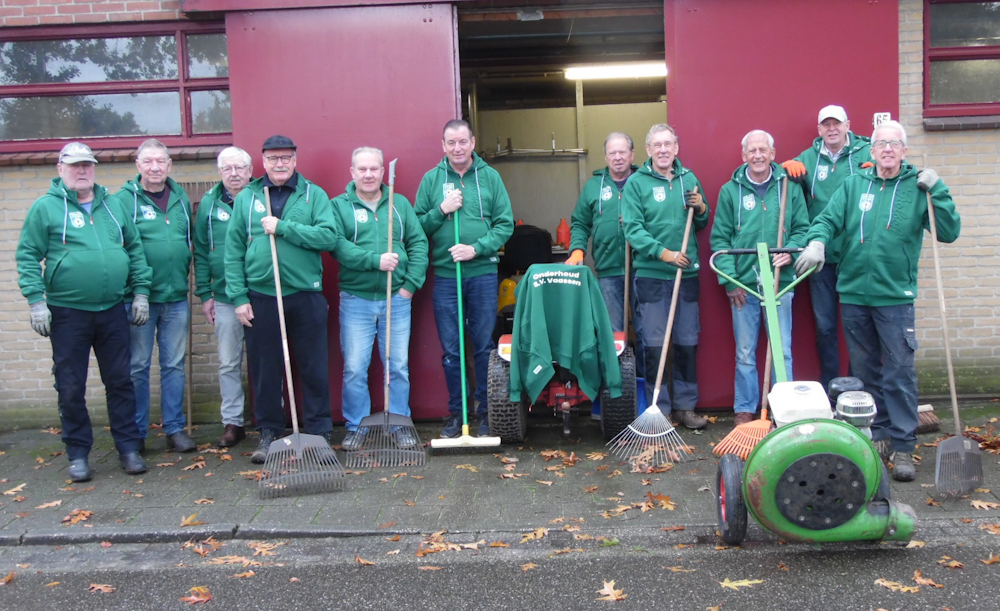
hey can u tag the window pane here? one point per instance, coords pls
(965, 24)
(121, 114)
(212, 112)
(207, 56)
(965, 82)
(88, 60)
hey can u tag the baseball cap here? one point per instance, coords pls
(75, 152)
(832, 112)
(278, 142)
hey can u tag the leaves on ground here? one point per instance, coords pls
(392, 553)
(950, 563)
(191, 520)
(662, 501)
(392, 538)
(428, 568)
(597, 455)
(263, 548)
(527, 566)
(741, 583)
(680, 569)
(203, 548)
(985, 504)
(101, 588)
(243, 575)
(672, 528)
(895, 586)
(233, 560)
(199, 594)
(76, 516)
(204, 502)
(363, 562)
(914, 543)
(499, 544)
(610, 594)
(784, 567)
(566, 550)
(254, 474)
(9, 577)
(435, 543)
(52, 584)
(15, 490)
(50, 504)
(544, 482)
(993, 559)
(388, 524)
(589, 489)
(538, 533)
(993, 529)
(106, 544)
(469, 467)
(920, 580)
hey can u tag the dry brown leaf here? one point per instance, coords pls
(920, 580)
(993, 529)
(191, 520)
(993, 559)
(672, 528)
(101, 588)
(557, 520)
(895, 586)
(388, 524)
(255, 474)
(226, 457)
(742, 583)
(985, 504)
(76, 516)
(527, 566)
(232, 560)
(392, 553)
(932, 503)
(552, 454)
(914, 543)
(396, 475)
(262, 548)
(198, 465)
(951, 563)
(680, 569)
(409, 503)
(715, 608)
(20, 499)
(468, 467)
(544, 482)
(50, 504)
(783, 566)
(52, 584)
(199, 594)
(499, 544)
(610, 594)
(508, 460)
(597, 455)
(204, 502)
(582, 537)
(983, 490)
(9, 577)
(615, 473)
(15, 490)
(589, 489)
(244, 575)
(393, 538)
(363, 562)
(428, 568)
(567, 550)
(538, 533)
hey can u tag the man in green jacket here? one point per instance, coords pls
(210, 227)
(92, 256)
(162, 211)
(462, 189)
(362, 219)
(301, 221)
(882, 214)
(747, 214)
(656, 199)
(835, 155)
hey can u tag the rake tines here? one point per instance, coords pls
(384, 443)
(300, 464)
(650, 439)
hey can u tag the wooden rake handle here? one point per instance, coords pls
(673, 309)
(944, 318)
(281, 320)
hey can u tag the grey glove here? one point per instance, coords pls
(140, 310)
(814, 254)
(926, 179)
(41, 318)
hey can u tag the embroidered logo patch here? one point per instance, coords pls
(448, 187)
(76, 219)
(148, 212)
(822, 172)
(222, 215)
(606, 193)
(258, 206)
(749, 201)
(867, 199)
(659, 194)
(360, 215)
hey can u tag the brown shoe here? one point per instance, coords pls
(232, 436)
(690, 419)
(744, 418)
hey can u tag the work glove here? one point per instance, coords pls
(796, 170)
(140, 310)
(814, 254)
(41, 318)
(693, 199)
(866, 165)
(926, 179)
(575, 257)
(675, 257)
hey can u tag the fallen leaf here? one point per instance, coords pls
(199, 594)
(582, 537)
(543, 482)
(597, 455)
(993, 559)
(783, 566)
(15, 490)
(293, 579)
(567, 550)
(895, 586)
(993, 529)
(985, 504)
(262, 548)
(395, 475)
(499, 544)
(52, 584)
(226, 457)
(680, 569)
(589, 489)
(933, 503)
(106, 544)
(468, 467)
(363, 562)
(715, 608)
(204, 502)
(102, 588)
(914, 543)
(191, 520)
(428, 568)
(951, 563)
(672, 528)
(231, 560)
(393, 538)
(615, 473)
(409, 503)
(920, 580)
(76, 516)
(508, 460)
(527, 566)
(610, 594)
(51, 504)
(538, 533)
(742, 583)
(244, 575)
(392, 553)
(983, 490)
(20, 499)
(52, 431)
(9, 577)
(198, 465)
(389, 524)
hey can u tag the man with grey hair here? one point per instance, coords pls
(748, 213)
(882, 213)
(363, 221)
(161, 210)
(211, 224)
(655, 203)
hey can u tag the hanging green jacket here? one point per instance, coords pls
(363, 236)
(304, 232)
(485, 218)
(824, 177)
(598, 215)
(655, 215)
(166, 238)
(91, 259)
(562, 318)
(210, 226)
(742, 220)
(883, 224)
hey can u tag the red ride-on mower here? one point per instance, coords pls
(561, 354)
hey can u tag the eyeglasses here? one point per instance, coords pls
(233, 169)
(892, 144)
(273, 159)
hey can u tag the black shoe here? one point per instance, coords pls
(452, 428)
(79, 470)
(902, 467)
(260, 454)
(142, 446)
(484, 427)
(181, 442)
(232, 436)
(404, 437)
(133, 463)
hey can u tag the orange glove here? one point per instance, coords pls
(796, 170)
(575, 257)
(675, 258)
(866, 165)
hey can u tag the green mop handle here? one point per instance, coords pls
(461, 334)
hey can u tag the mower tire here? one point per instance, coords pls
(732, 510)
(616, 414)
(508, 420)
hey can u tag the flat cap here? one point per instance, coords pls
(278, 142)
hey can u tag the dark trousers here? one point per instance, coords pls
(74, 333)
(825, 305)
(654, 309)
(306, 323)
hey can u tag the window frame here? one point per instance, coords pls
(183, 84)
(953, 53)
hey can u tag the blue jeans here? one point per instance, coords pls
(881, 342)
(746, 330)
(229, 334)
(480, 308)
(823, 287)
(654, 296)
(360, 321)
(613, 292)
(168, 328)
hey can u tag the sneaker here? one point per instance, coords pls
(452, 428)
(232, 436)
(690, 419)
(404, 437)
(884, 448)
(260, 454)
(181, 442)
(902, 467)
(744, 418)
(484, 427)
(352, 440)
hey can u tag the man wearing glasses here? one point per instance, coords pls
(210, 228)
(301, 220)
(882, 214)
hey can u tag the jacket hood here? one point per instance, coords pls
(740, 174)
(647, 168)
(905, 171)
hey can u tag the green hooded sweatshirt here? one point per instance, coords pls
(210, 227)
(824, 177)
(485, 218)
(304, 232)
(598, 214)
(91, 260)
(363, 236)
(742, 220)
(655, 216)
(166, 238)
(883, 224)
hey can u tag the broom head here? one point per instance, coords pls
(300, 464)
(927, 420)
(380, 446)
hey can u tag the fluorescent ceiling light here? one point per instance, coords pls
(617, 71)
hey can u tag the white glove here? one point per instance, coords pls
(140, 310)
(814, 254)
(41, 318)
(926, 179)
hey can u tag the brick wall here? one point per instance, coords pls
(969, 163)
(61, 12)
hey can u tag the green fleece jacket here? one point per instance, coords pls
(598, 214)
(562, 318)
(824, 177)
(91, 260)
(166, 238)
(655, 216)
(485, 218)
(883, 223)
(743, 220)
(304, 232)
(210, 226)
(363, 236)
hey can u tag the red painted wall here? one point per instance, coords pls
(741, 65)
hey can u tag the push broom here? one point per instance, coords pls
(464, 440)
(651, 439)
